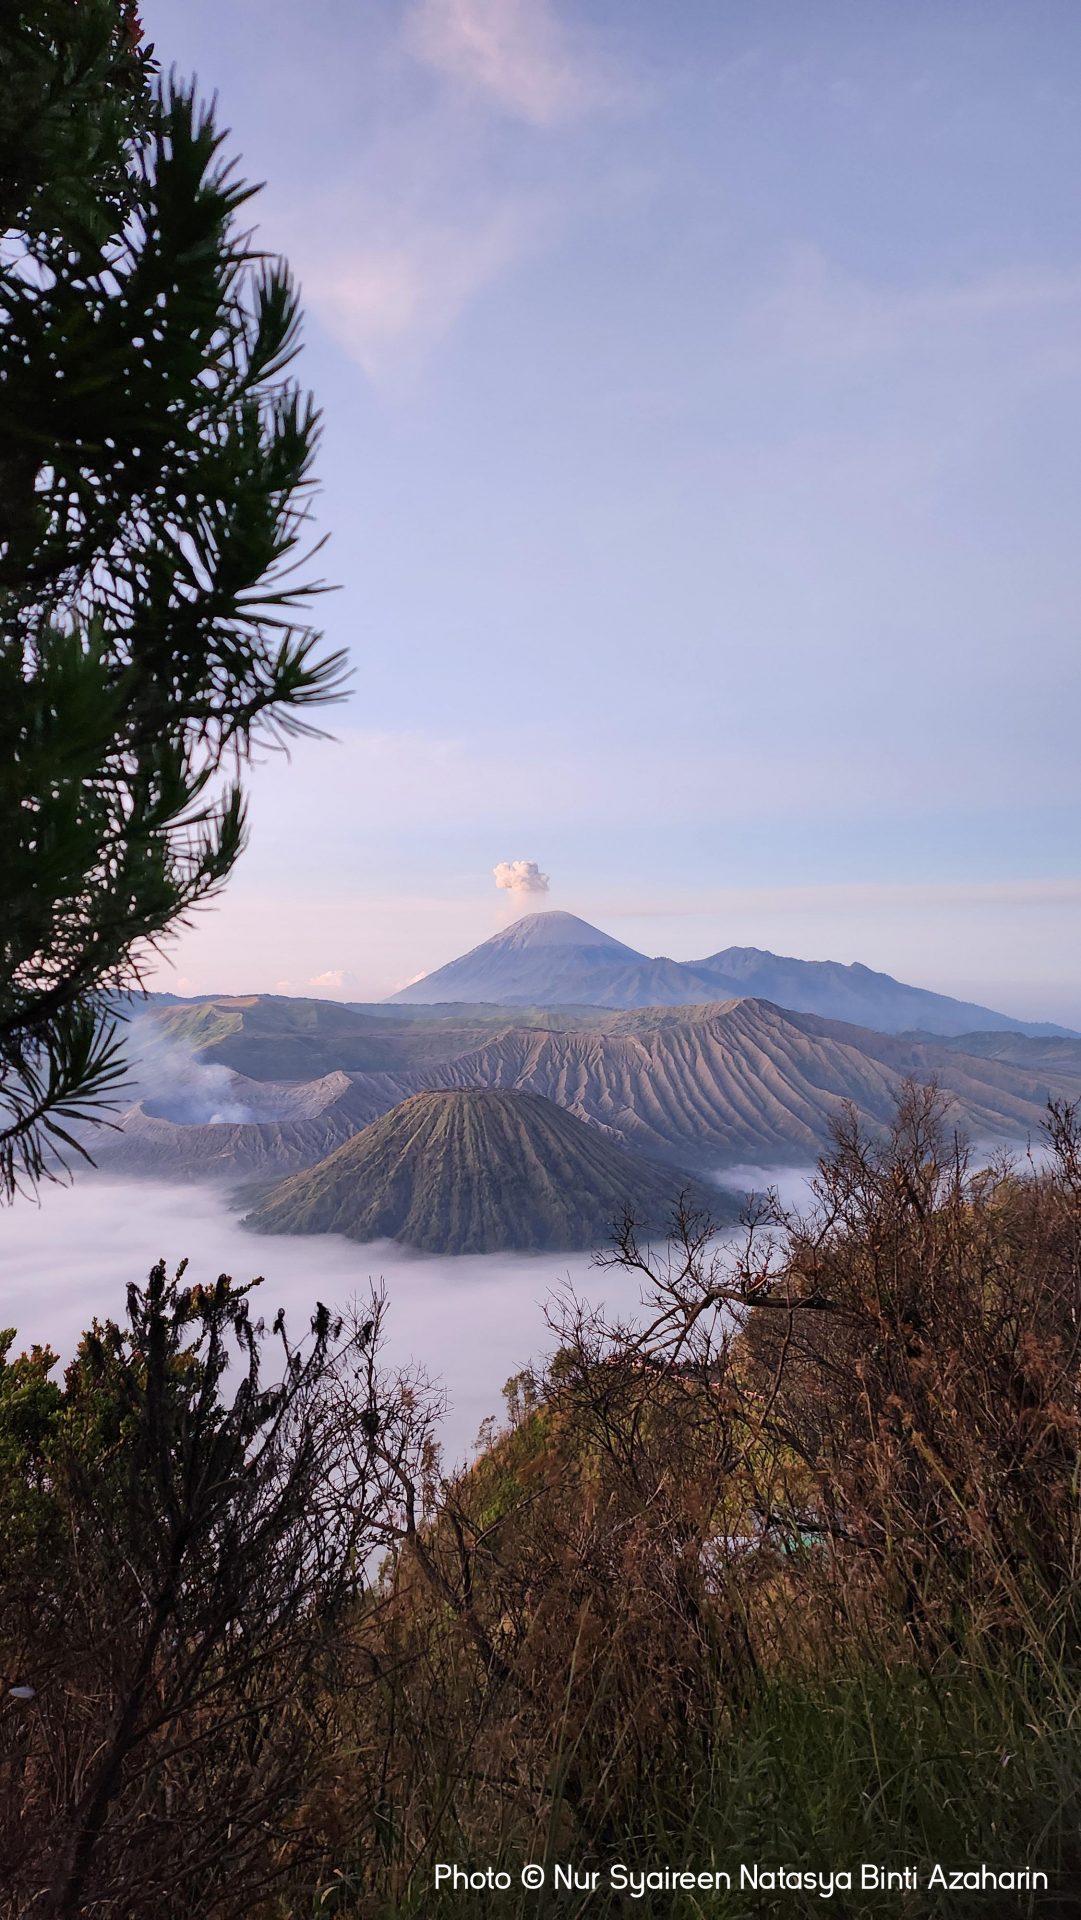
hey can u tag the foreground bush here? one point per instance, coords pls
(782, 1567)
(181, 1540)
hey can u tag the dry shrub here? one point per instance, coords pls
(847, 1450)
(783, 1563)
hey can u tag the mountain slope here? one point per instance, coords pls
(706, 1086)
(747, 1081)
(556, 959)
(853, 993)
(477, 1171)
(271, 1138)
(1050, 1054)
(545, 957)
(271, 1037)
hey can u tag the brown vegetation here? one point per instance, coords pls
(785, 1564)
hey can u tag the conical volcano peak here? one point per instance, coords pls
(556, 929)
(554, 959)
(482, 1170)
(544, 959)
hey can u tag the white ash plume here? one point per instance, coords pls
(521, 876)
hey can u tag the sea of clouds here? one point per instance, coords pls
(471, 1321)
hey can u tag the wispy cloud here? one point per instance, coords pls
(858, 897)
(393, 249)
(388, 300)
(818, 311)
(516, 53)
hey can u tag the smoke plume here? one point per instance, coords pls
(521, 876)
(177, 1086)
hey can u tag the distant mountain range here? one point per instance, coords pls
(520, 1097)
(555, 959)
(246, 1089)
(479, 1171)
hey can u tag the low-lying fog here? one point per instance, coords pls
(471, 1321)
(791, 1184)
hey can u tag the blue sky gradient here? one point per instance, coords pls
(702, 395)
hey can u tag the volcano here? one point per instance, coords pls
(557, 960)
(482, 1171)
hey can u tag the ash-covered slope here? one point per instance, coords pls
(556, 959)
(747, 1081)
(704, 1086)
(478, 1171)
(281, 1127)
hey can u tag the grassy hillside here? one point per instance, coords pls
(271, 1038)
(807, 1597)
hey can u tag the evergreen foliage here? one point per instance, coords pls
(155, 466)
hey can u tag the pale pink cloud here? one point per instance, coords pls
(389, 299)
(816, 310)
(517, 52)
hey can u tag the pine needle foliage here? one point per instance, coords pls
(155, 476)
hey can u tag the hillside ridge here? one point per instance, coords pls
(714, 1086)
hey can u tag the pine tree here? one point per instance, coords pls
(155, 472)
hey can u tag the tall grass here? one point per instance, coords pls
(903, 1769)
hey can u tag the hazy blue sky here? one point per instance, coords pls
(702, 461)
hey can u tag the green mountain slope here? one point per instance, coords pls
(478, 1171)
(269, 1037)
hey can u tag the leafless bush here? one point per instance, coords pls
(172, 1628)
(848, 1445)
